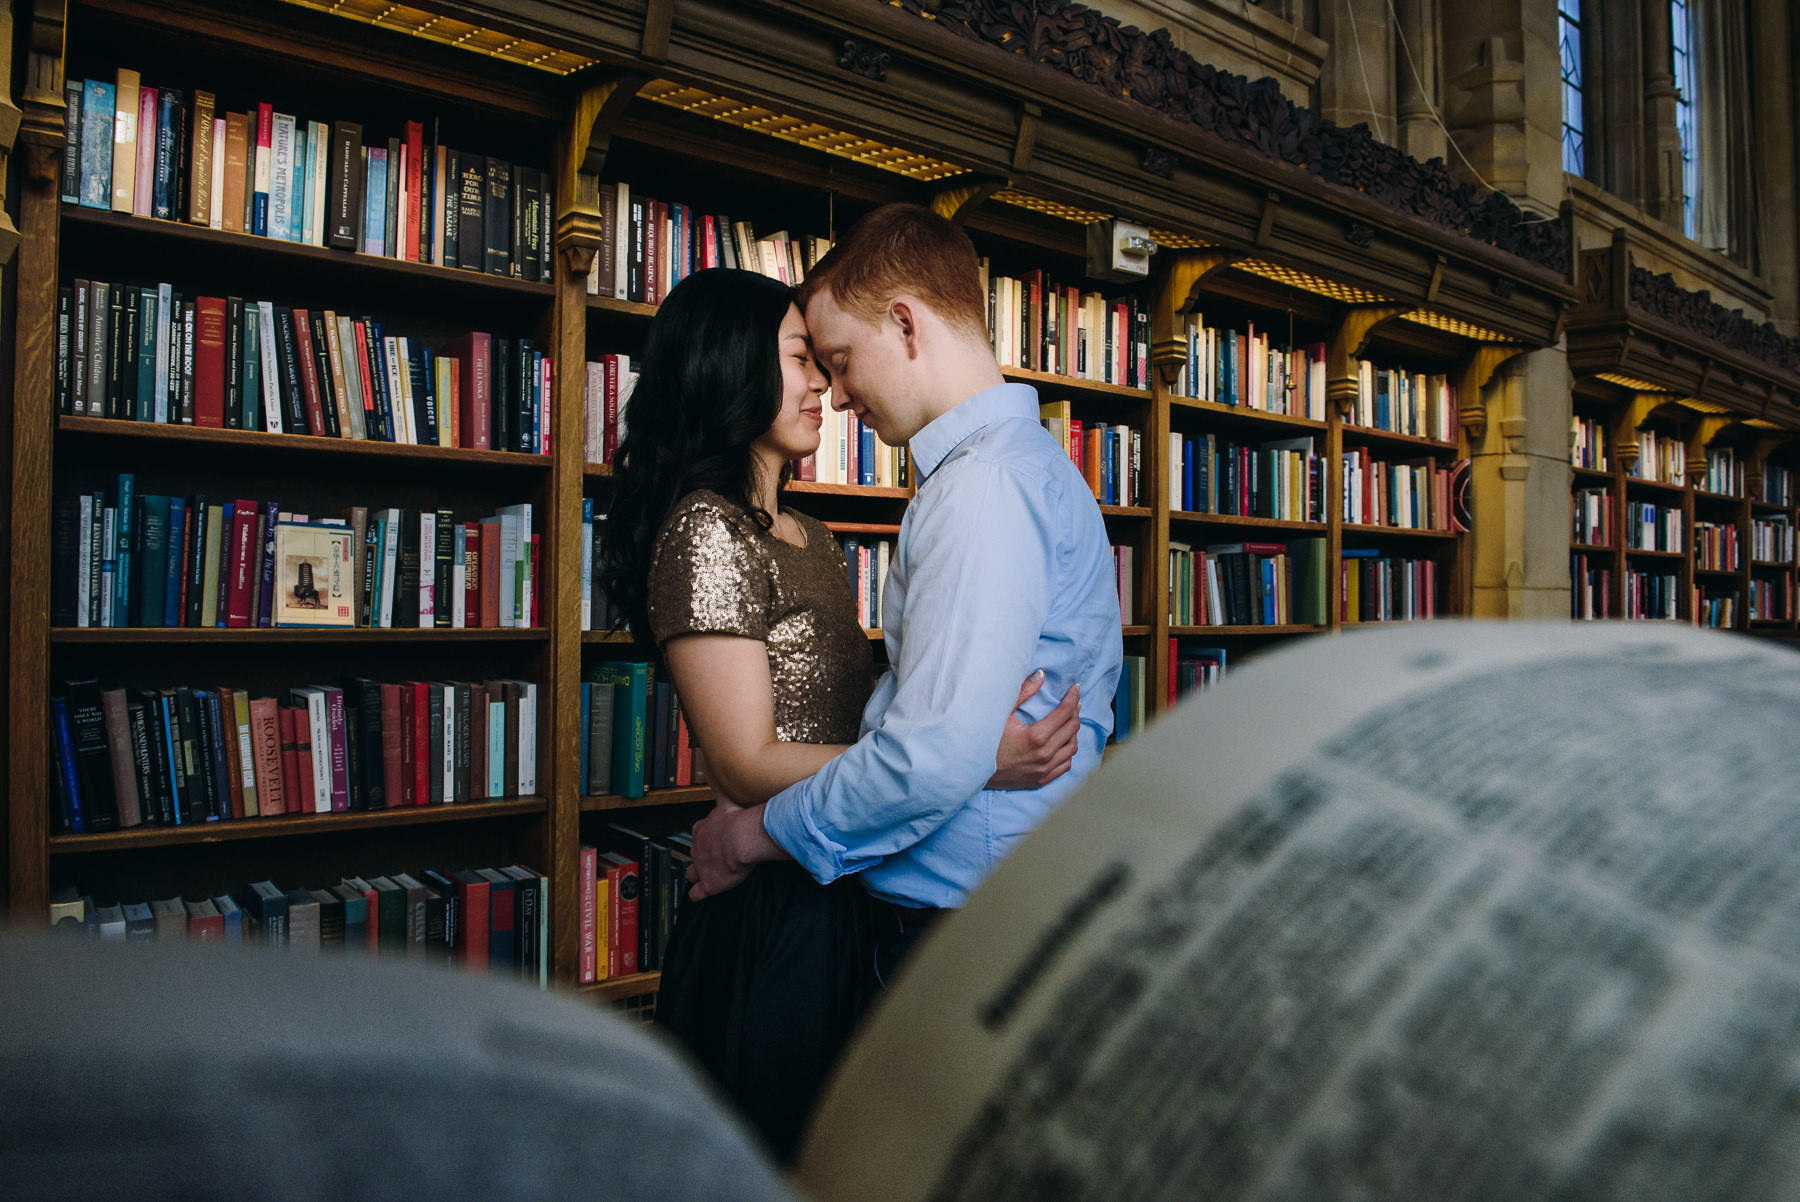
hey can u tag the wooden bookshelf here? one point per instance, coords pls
(140, 838)
(156, 438)
(142, 636)
(619, 988)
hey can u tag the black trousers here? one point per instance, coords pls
(764, 984)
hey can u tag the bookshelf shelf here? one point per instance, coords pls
(1126, 511)
(597, 471)
(1592, 475)
(269, 447)
(1398, 532)
(1670, 555)
(1591, 547)
(137, 636)
(1196, 518)
(1063, 385)
(849, 490)
(652, 797)
(1771, 563)
(616, 988)
(888, 528)
(1188, 631)
(1132, 632)
(620, 308)
(1721, 573)
(1770, 507)
(139, 838)
(1370, 435)
(287, 258)
(1240, 413)
(1719, 498)
(1637, 482)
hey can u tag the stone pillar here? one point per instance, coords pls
(1416, 75)
(1519, 479)
(1357, 81)
(1662, 137)
(1771, 46)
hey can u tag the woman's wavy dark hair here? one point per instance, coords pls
(709, 385)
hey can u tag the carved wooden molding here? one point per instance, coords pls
(1699, 436)
(1150, 70)
(659, 20)
(865, 59)
(1472, 381)
(1699, 314)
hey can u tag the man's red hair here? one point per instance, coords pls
(903, 250)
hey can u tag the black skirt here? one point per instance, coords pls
(764, 985)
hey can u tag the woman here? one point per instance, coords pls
(751, 608)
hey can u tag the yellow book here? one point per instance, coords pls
(602, 933)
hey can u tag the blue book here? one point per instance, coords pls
(582, 736)
(1187, 476)
(375, 212)
(153, 588)
(1122, 708)
(171, 738)
(631, 714)
(176, 559)
(145, 409)
(253, 419)
(65, 757)
(1268, 591)
(234, 918)
(122, 529)
(1360, 553)
(865, 454)
(96, 144)
(1106, 464)
(166, 184)
(302, 187)
(74, 95)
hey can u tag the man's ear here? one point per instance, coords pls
(905, 317)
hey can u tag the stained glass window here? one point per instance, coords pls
(1574, 140)
(1681, 30)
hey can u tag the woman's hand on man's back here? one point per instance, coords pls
(1032, 754)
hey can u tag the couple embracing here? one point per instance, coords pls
(852, 812)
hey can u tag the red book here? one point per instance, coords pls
(265, 748)
(204, 927)
(407, 744)
(392, 728)
(309, 374)
(415, 176)
(478, 743)
(241, 575)
(621, 895)
(590, 905)
(474, 355)
(372, 899)
(421, 740)
(490, 573)
(209, 361)
(234, 764)
(684, 747)
(610, 367)
(303, 765)
(655, 213)
(367, 381)
(472, 895)
(291, 775)
(471, 535)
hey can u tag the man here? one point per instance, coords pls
(1002, 566)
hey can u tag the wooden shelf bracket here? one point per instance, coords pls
(581, 155)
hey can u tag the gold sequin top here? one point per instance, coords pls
(715, 571)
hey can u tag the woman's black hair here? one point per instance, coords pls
(709, 385)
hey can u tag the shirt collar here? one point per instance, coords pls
(943, 434)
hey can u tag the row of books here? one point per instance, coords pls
(597, 609)
(1037, 324)
(488, 920)
(182, 756)
(633, 892)
(1245, 368)
(1652, 527)
(1716, 608)
(866, 557)
(1661, 457)
(1403, 402)
(1772, 539)
(1413, 495)
(1652, 594)
(150, 354)
(1375, 587)
(1110, 457)
(604, 395)
(1248, 584)
(1724, 473)
(170, 153)
(633, 734)
(1194, 669)
(1588, 446)
(1128, 699)
(1592, 513)
(1283, 479)
(1772, 598)
(1715, 547)
(145, 560)
(1590, 591)
(648, 246)
(852, 453)
(1777, 485)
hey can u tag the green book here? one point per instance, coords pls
(1310, 581)
(631, 721)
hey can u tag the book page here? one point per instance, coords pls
(1451, 910)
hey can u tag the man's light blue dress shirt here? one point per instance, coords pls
(1003, 566)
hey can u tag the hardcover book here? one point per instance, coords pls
(313, 574)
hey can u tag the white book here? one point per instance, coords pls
(398, 393)
(884, 558)
(509, 554)
(271, 384)
(587, 572)
(281, 178)
(427, 567)
(346, 347)
(527, 739)
(459, 584)
(390, 562)
(449, 759)
(1175, 449)
(313, 698)
(496, 782)
(593, 412)
(165, 301)
(215, 213)
(84, 559)
(318, 145)
(515, 581)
